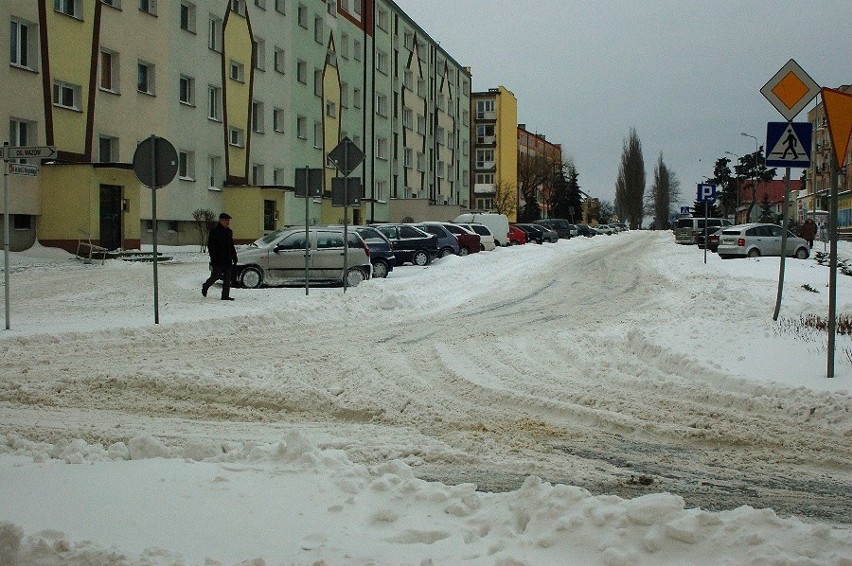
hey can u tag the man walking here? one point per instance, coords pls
(223, 256)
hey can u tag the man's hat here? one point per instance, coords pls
(224, 216)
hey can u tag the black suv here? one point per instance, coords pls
(409, 243)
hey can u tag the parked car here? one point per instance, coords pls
(538, 233)
(279, 258)
(517, 236)
(497, 223)
(410, 245)
(381, 250)
(586, 230)
(713, 241)
(561, 226)
(688, 229)
(605, 229)
(758, 239)
(622, 227)
(486, 238)
(447, 242)
(469, 241)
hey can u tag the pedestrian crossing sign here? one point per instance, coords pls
(788, 144)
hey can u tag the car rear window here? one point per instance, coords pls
(481, 230)
(684, 223)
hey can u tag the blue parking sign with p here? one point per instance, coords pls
(706, 192)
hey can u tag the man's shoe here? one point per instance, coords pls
(203, 291)
(227, 298)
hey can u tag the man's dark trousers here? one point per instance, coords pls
(222, 272)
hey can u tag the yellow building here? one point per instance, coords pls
(494, 160)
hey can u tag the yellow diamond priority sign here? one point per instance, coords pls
(790, 90)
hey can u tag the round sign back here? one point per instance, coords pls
(155, 162)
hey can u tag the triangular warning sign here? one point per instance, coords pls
(838, 111)
(789, 148)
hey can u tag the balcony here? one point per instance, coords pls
(488, 165)
(486, 115)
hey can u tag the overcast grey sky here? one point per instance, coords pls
(686, 74)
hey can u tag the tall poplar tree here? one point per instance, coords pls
(630, 186)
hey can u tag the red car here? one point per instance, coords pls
(516, 235)
(468, 241)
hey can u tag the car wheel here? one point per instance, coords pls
(445, 252)
(482, 247)
(380, 269)
(754, 252)
(420, 258)
(251, 278)
(802, 253)
(463, 252)
(354, 277)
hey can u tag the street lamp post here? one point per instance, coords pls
(737, 209)
(756, 152)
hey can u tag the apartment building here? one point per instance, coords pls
(246, 90)
(537, 155)
(814, 195)
(494, 160)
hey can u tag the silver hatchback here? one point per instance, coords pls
(279, 258)
(754, 240)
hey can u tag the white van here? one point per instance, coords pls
(497, 223)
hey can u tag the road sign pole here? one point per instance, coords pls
(6, 218)
(832, 266)
(706, 232)
(345, 214)
(154, 225)
(307, 233)
(786, 226)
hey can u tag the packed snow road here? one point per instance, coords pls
(585, 363)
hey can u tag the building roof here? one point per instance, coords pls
(774, 188)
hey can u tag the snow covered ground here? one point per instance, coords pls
(603, 401)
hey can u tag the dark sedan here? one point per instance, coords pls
(410, 245)
(381, 250)
(538, 233)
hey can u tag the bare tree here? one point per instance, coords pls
(204, 219)
(505, 198)
(536, 173)
(664, 192)
(630, 186)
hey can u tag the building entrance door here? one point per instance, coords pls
(110, 226)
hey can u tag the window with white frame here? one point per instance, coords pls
(465, 87)
(407, 157)
(145, 77)
(68, 7)
(408, 118)
(214, 172)
(302, 71)
(187, 16)
(259, 54)
(318, 82)
(408, 40)
(22, 44)
(465, 117)
(186, 165)
(381, 104)
(21, 134)
(257, 117)
(214, 33)
(382, 19)
(485, 178)
(381, 190)
(257, 174)
(236, 71)
(382, 64)
(484, 158)
(318, 135)
(236, 137)
(279, 61)
(344, 45)
(381, 148)
(214, 103)
(148, 6)
(278, 117)
(408, 79)
(451, 140)
(239, 6)
(302, 127)
(485, 108)
(318, 30)
(187, 90)
(302, 15)
(108, 70)
(66, 95)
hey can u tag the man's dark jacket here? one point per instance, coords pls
(220, 246)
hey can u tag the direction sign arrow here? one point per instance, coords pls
(27, 170)
(39, 152)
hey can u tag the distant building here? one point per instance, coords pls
(774, 191)
(532, 146)
(494, 159)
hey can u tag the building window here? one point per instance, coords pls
(214, 103)
(302, 127)
(332, 7)
(421, 162)
(318, 82)
(278, 119)
(381, 190)
(278, 177)
(187, 16)
(439, 136)
(408, 118)
(484, 109)
(112, 3)
(421, 88)
(408, 79)
(257, 174)
(67, 7)
(21, 134)
(381, 104)
(356, 97)
(107, 149)
(214, 177)
(214, 30)
(257, 118)
(280, 6)
(187, 90)
(145, 77)
(382, 148)
(356, 48)
(22, 44)
(186, 165)
(260, 4)
(465, 118)
(66, 95)
(148, 6)
(302, 72)
(236, 137)
(302, 15)
(21, 222)
(421, 124)
(330, 109)
(344, 46)
(108, 71)
(407, 157)
(318, 135)
(485, 158)
(381, 61)
(465, 87)
(259, 54)
(238, 6)
(344, 95)
(382, 19)
(236, 71)
(278, 60)
(408, 40)
(318, 30)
